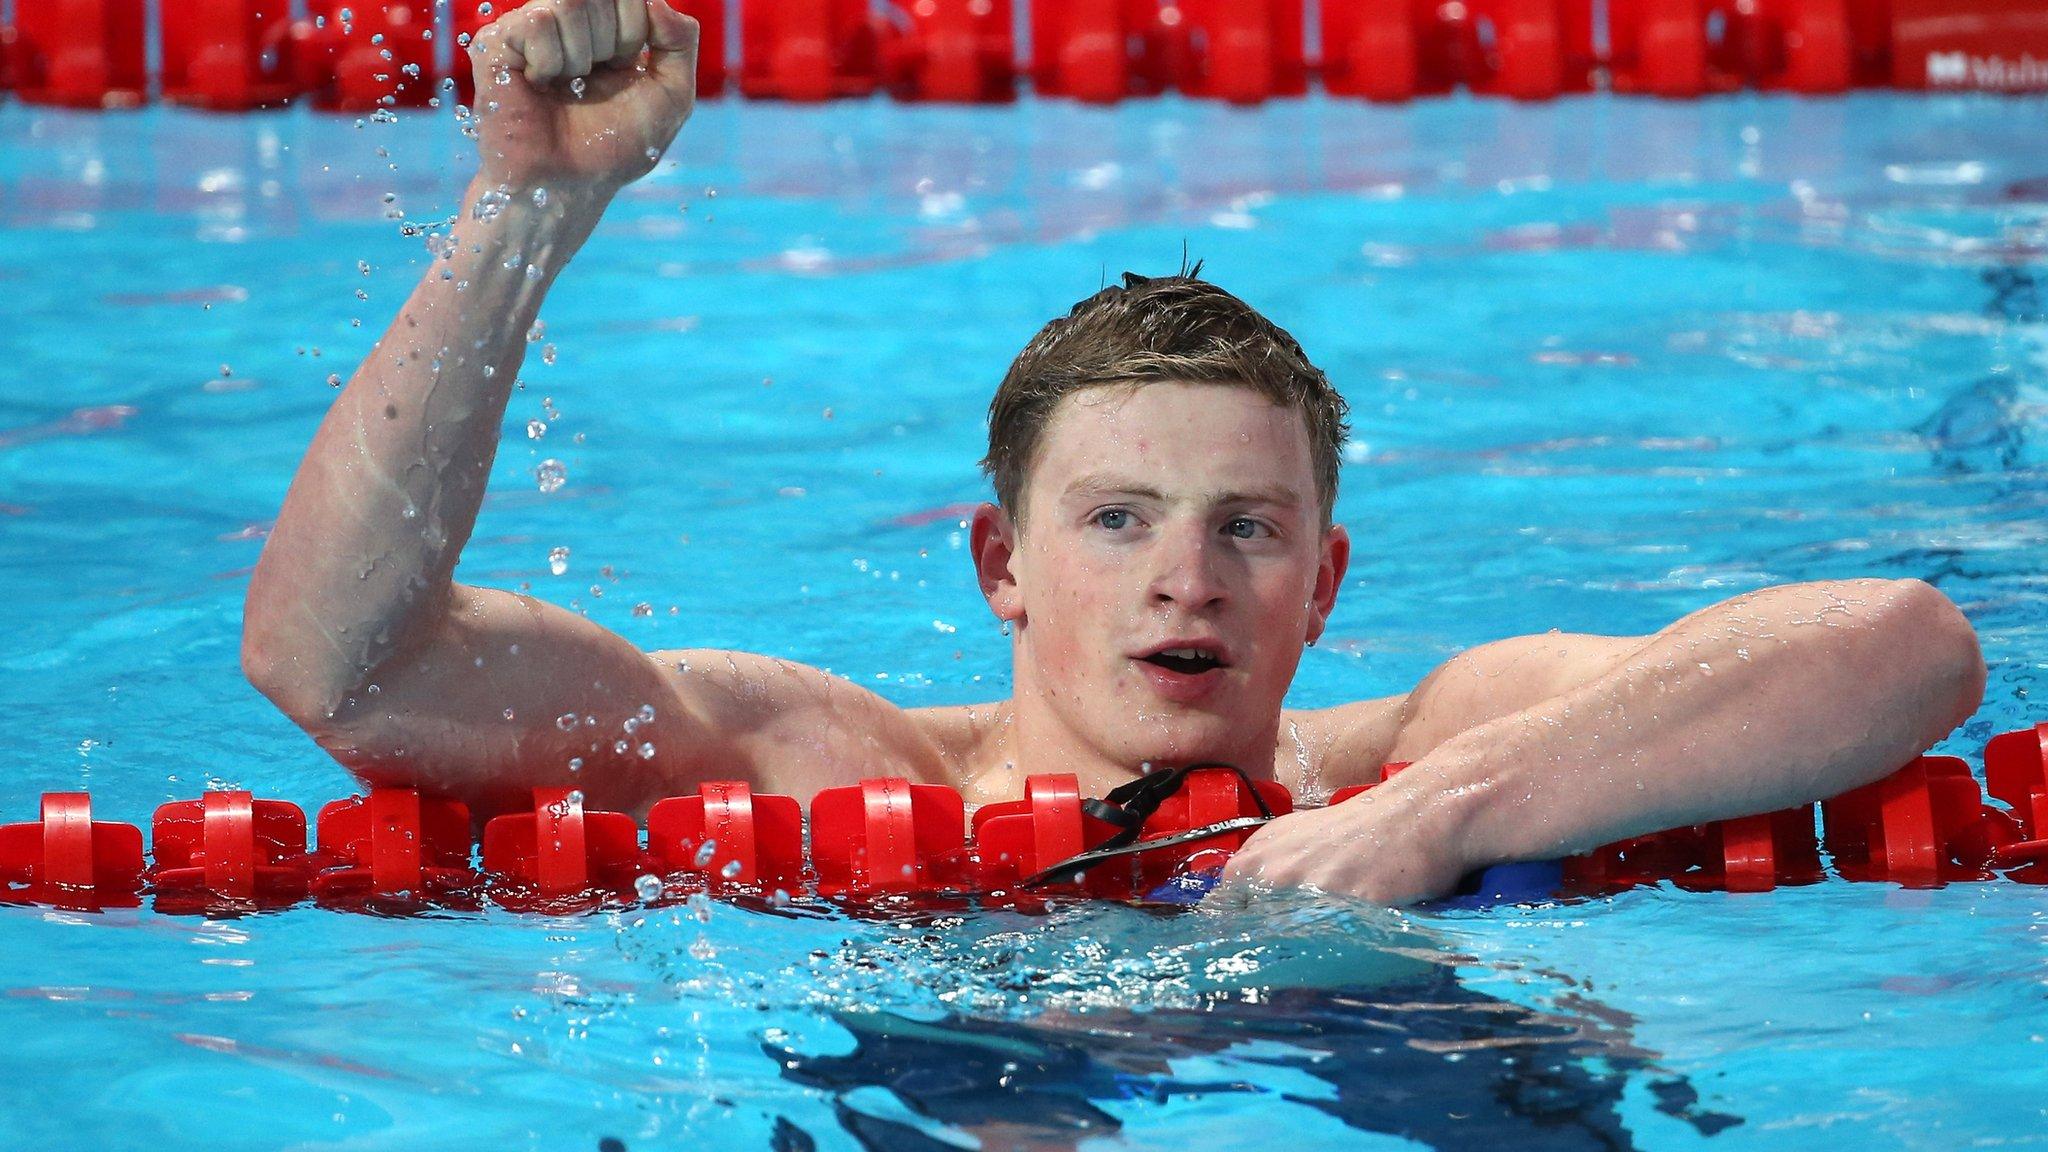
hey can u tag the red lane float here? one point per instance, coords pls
(1242, 51)
(560, 858)
(1018, 838)
(808, 50)
(730, 838)
(394, 846)
(80, 53)
(889, 835)
(2016, 772)
(229, 851)
(1395, 50)
(69, 860)
(961, 51)
(1683, 48)
(227, 55)
(394, 850)
(1098, 51)
(380, 56)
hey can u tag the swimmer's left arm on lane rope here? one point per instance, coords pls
(1771, 699)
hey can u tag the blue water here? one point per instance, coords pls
(1609, 360)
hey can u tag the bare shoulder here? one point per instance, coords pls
(972, 741)
(1324, 749)
(793, 728)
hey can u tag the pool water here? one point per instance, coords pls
(1609, 360)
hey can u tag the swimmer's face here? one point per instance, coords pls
(1171, 565)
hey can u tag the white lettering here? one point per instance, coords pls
(1947, 68)
(1986, 73)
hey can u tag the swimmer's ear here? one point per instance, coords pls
(994, 540)
(1336, 559)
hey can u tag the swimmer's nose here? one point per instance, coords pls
(1188, 573)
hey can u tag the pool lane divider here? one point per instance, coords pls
(397, 850)
(369, 56)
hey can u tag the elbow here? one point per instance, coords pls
(285, 677)
(275, 675)
(1930, 636)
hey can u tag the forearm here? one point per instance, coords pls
(1772, 700)
(362, 553)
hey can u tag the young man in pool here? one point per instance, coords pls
(1165, 462)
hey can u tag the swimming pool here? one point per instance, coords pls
(1609, 361)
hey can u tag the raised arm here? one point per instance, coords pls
(354, 626)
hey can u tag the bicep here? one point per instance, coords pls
(509, 693)
(1494, 680)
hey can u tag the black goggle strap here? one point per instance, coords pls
(1066, 869)
(1130, 805)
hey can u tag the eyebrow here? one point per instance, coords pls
(1108, 483)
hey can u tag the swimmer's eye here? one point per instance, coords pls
(1246, 528)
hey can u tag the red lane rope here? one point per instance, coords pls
(230, 852)
(362, 56)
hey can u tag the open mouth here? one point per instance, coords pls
(1186, 661)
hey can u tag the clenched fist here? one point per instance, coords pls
(567, 99)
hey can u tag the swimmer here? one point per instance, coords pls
(1160, 550)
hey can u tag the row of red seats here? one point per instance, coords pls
(1925, 825)
(361, 55)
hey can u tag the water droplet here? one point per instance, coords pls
(732, 869)
(702, 949)
(575, 763)
(489, 205)
(643, 609)
(647, 713)
(566, 721)
(535, 429)
(648, 888)
(540, 197)
(558, 560)
(547, 353)
(706, 852)
(534, 335)
(550, 474)
(576, 87)
(363, 266)
(508, 714)
(647, 751)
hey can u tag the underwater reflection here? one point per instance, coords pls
(1425, 1058)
